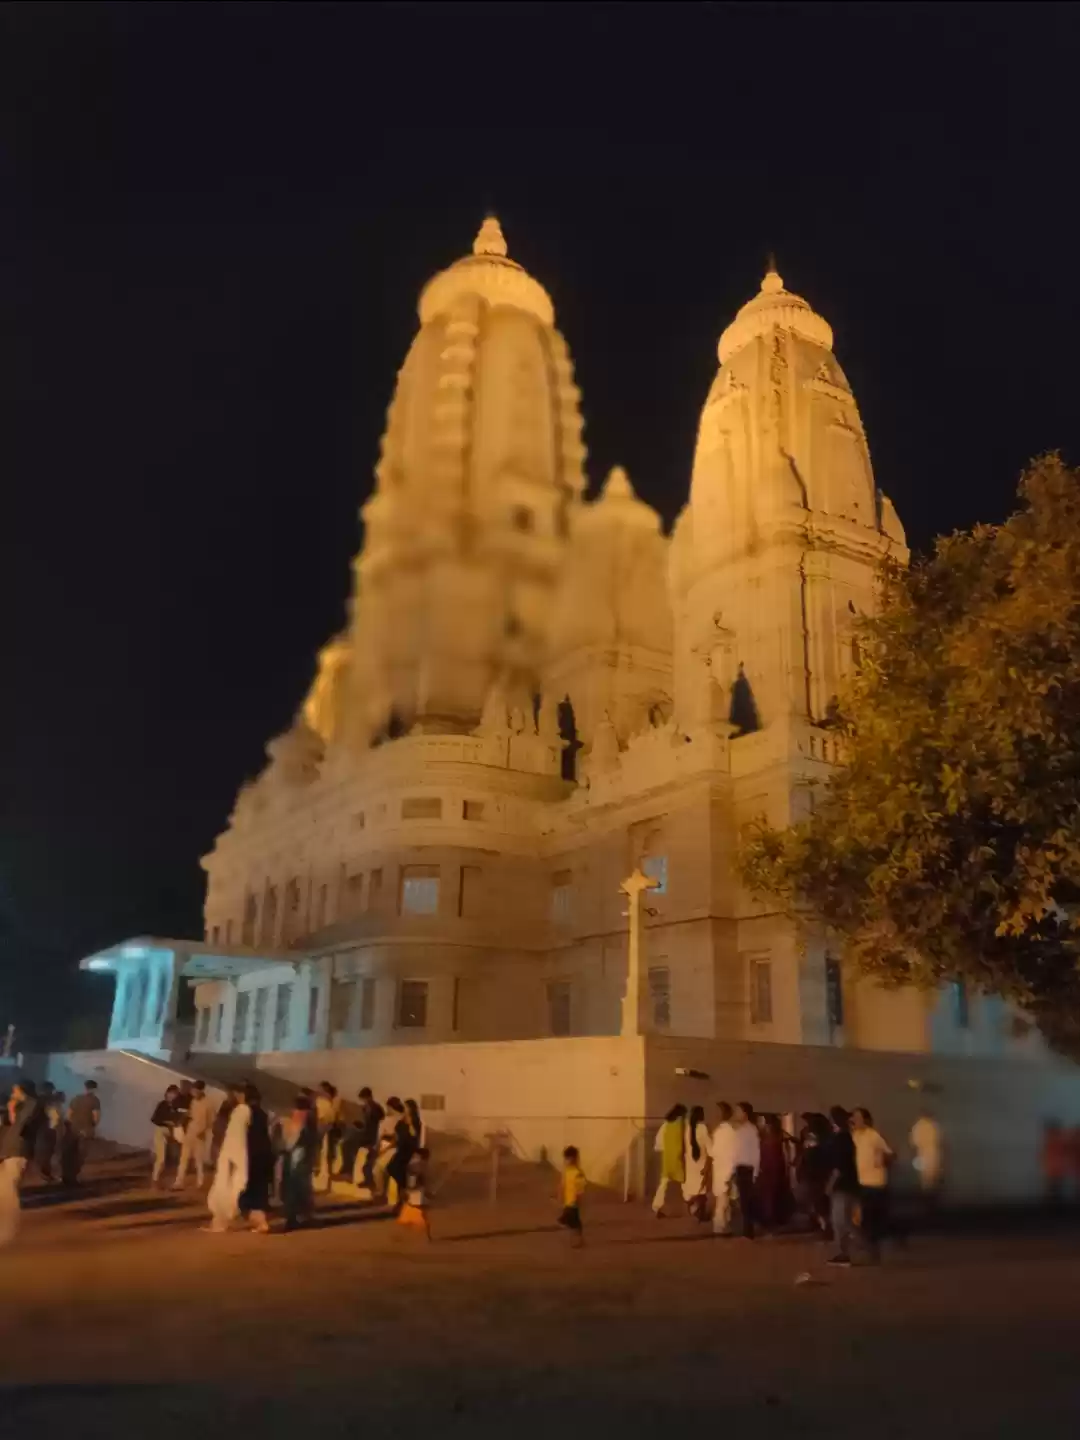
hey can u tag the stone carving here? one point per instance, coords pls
(604, 752)
(322, 711)
(494, 719)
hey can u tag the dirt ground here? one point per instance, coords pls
(119, 1317)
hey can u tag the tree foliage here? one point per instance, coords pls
(948, 847)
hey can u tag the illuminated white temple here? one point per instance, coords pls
(536, 696)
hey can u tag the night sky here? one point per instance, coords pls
(214, 223)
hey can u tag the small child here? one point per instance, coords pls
(414, 1205)
(573, 1188)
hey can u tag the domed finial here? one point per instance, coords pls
(617, 485)
(773, 281)
(489, 239)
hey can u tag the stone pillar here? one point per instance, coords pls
(632, 887)
(172, 1040)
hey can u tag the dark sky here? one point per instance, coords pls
(214, 222)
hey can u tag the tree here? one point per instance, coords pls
(948, 846)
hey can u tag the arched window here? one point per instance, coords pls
(744, 711)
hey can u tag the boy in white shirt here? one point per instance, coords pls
(873, 1156)
(723, 1169)
(746, 1162)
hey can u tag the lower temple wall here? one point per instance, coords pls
(606, 1095)
(538, 1096)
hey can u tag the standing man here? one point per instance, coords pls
(386, 1145)
(747, 1163)
(367, 1126)
(234, 1096)
(17, 1140)
(167, 1121)
(873, 1156)
(197, 1136)
(328, 1113)
(84, 1116)
(723, 1169)
(48, 1130)
(841, 1184)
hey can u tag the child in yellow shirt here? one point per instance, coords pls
(572, 1188)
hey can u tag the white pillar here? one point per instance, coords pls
(632, 887)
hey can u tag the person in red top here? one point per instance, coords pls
(1055, 1160)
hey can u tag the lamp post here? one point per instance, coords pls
(633, 887)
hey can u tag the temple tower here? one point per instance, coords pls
(466, 533)
(777, 552)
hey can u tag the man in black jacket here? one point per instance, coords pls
(18, 1137)
(168, 1123)
(842, 1184)
(367, 1131)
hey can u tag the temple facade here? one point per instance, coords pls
(537, 695)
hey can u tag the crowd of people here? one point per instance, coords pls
(834, 1173)
(745, 1174)
(257, 1157)
(48, 1131)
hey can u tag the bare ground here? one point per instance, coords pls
(118, 1317)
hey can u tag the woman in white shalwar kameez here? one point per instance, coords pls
(231, 1175)
(698, 1150)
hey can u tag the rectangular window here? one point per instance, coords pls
(313, 1010)
(760, 992)
(214, 933)
(358, 820)
(469, 904)
(367, 1003)
(558, 1000)
(282, 1005)
(412, 1004)
(472, 810)
(240, 1020)
(961, 1010)
(354, 894)
(432, 1102)
(341, 993)
(834, 993)
(421, 807)
(655, 867)
(374, 890)
(219, 1023)
(454, 1016)
(419, 890)
(228, 932)
(562, 896)
(258, 1024)
(660, 996)
(320, 906)
(202, 1029)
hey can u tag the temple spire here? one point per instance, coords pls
(489, 238)
(773, 281)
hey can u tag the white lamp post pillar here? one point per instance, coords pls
(633, 887)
